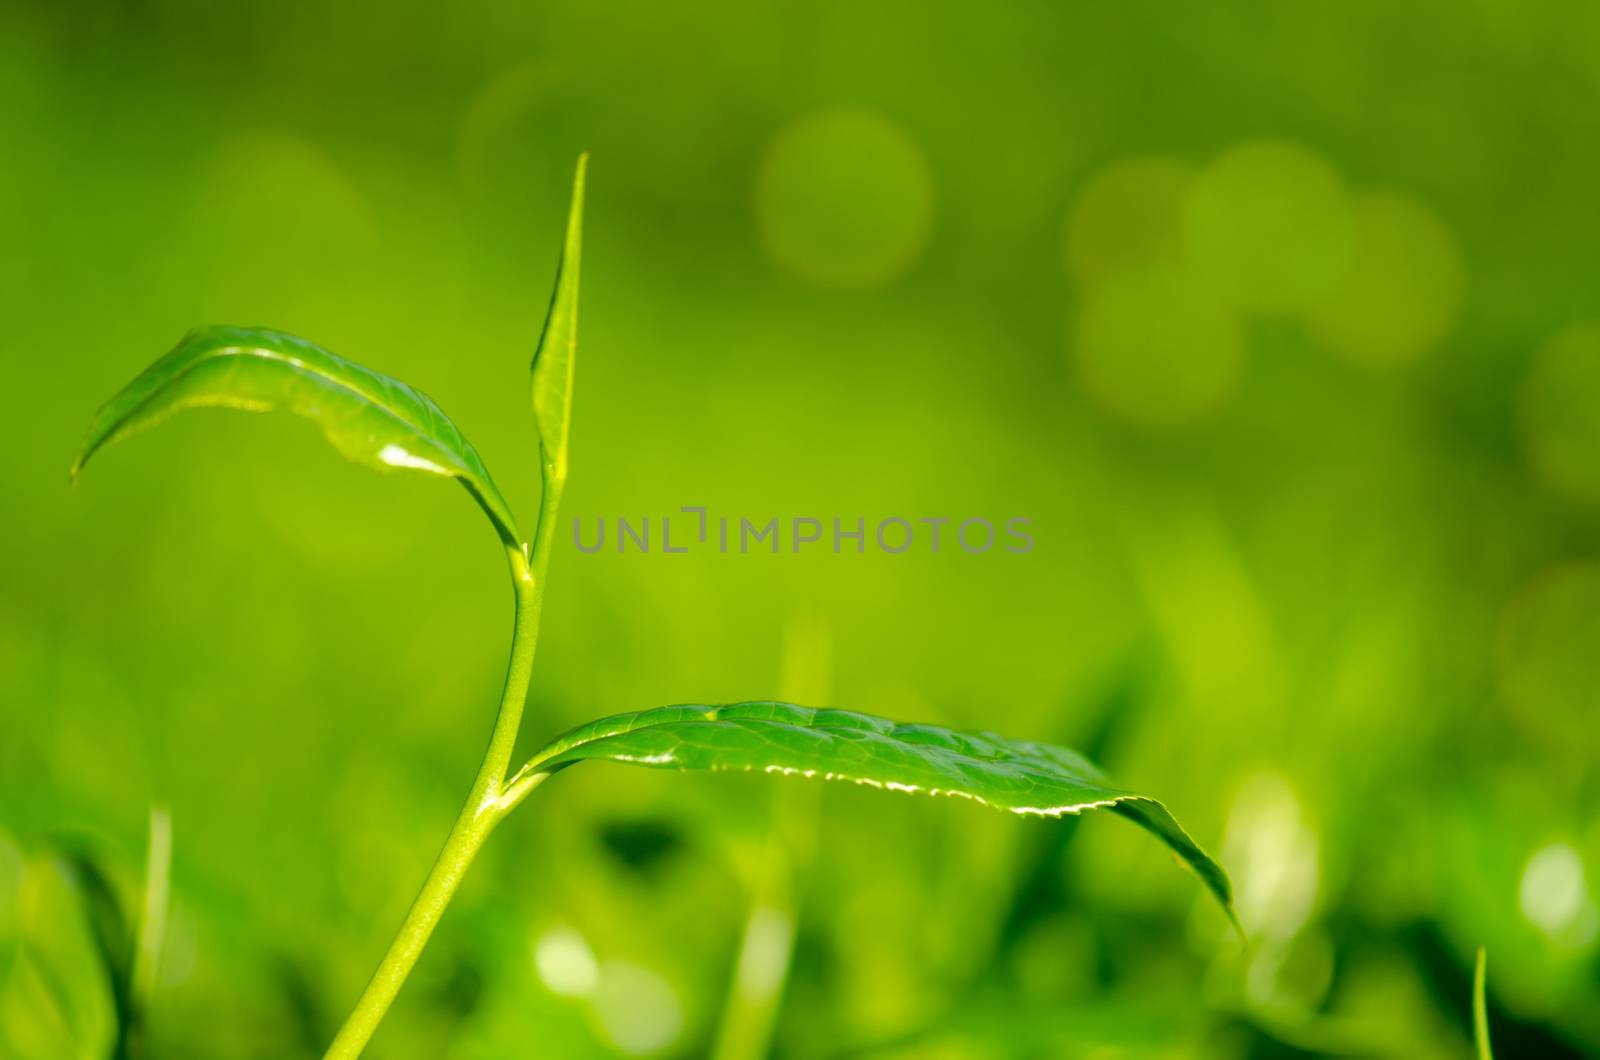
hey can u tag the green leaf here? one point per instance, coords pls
(553, 360)
(1480, 1009)
(368, 417)
(781, 738)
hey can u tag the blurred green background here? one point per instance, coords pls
(1279, 321)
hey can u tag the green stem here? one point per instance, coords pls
(482, 811)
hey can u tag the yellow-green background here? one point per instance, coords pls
(1278, 320)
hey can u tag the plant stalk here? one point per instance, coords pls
(479, 815)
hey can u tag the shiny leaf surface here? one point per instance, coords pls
(781, 738)
(368, 417)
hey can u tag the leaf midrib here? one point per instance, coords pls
(949, 756)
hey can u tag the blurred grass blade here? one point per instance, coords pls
(153, 915)
(781, 738)
(1480, 1009)
(102, 902)
(368, 417)
(553, 360)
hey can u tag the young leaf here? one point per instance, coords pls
(553, 359)
(1480, 1010)
(368, 417)
(781, 738)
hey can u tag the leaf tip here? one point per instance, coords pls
(77, 467)
(1221, 888)
(573, 244)
(1233, 918)
(580, 178)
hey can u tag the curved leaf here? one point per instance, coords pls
(781, 738)
(368, 417)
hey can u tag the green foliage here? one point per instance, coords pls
(370, 418)
(1031, 779)
(1325, 581)
(381, 422)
